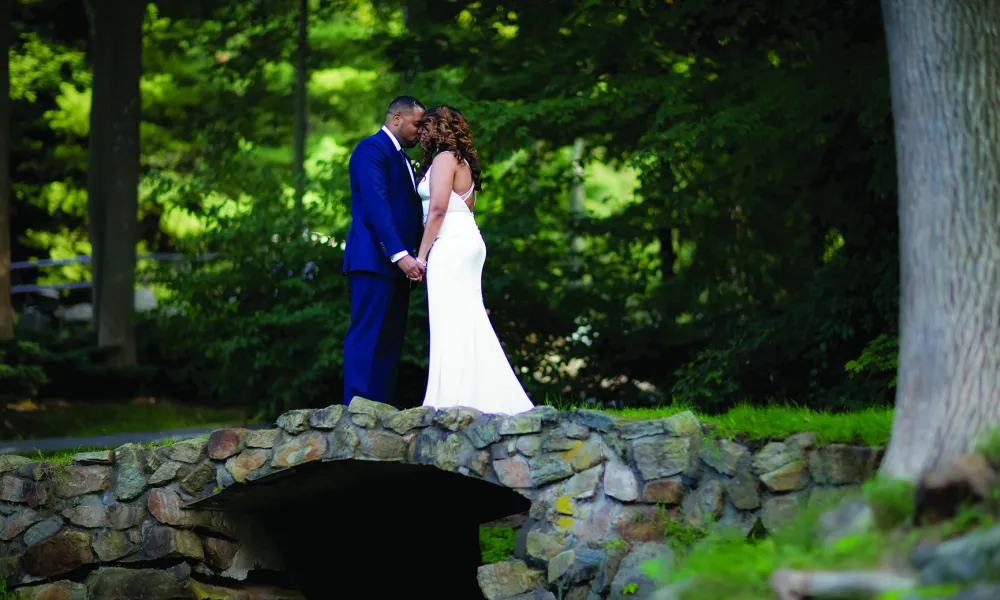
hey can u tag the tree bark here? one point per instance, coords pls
(301, 111)
(6, 308)
(113, 169)
(944, 63)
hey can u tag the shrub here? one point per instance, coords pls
(262, 322)
(21, 372)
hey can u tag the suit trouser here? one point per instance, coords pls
(373, 345)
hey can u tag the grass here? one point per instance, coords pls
(497, 543)
(747, 422)
(60, 457)
(727, 566)
(84, 419)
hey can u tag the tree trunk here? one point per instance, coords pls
(113, 169)
(944, 64)
(6, 309)
(301, 112)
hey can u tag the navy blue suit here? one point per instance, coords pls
(386, 218)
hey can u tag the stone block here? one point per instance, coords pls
(130, 476)
(620, 482)
(307, 447)
(240, 466)
(100, 457)
(503, 580)
(58, 554)
(78, 480)
(791, 477)
(113, 545)
(42, 530)
(660, 456)
(262, 438)
(223, 443)
(166, 507)
(187, 451)
(294, 421)
(723, 455)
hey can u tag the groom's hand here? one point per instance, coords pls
(411, 268)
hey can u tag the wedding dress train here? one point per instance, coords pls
(468, 366)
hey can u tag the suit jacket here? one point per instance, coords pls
(386, 214)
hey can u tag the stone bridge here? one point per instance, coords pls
(368, 501)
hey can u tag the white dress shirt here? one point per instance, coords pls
(395, 257)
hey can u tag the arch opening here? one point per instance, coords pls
(358, 528)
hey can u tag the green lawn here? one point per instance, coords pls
(84, 419)
(869, 427)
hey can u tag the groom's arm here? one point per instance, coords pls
(372, 169)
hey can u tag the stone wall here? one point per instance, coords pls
(136, 518)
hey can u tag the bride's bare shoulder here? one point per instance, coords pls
(445, 159)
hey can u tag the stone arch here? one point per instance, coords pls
(223, 513)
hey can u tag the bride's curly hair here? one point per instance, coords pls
(445, 129)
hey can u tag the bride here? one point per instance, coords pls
(468, 366)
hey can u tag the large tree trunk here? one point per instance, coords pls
(113, 169)
(6, 310)
(301, 111)
(944, 59)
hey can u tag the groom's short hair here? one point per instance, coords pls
(402, 104)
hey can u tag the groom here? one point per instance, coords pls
(379, 258)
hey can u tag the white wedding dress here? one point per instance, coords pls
(468, 366)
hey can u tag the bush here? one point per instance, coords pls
(799, 353)
(878, 360)
(65, 364)
(262, 323)
(21, 373)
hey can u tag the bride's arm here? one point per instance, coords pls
(441, 183)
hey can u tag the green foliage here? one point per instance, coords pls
(893, 502)
(879, 356)
(680, 537)
(739, 268)
(738, 237)
(262, 319)
(68, 364)
(728, 565)
(989, 445)
(497, 543)
(21, 374)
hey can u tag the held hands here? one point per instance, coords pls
(413, 269)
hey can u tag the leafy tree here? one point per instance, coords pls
(765, 212)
